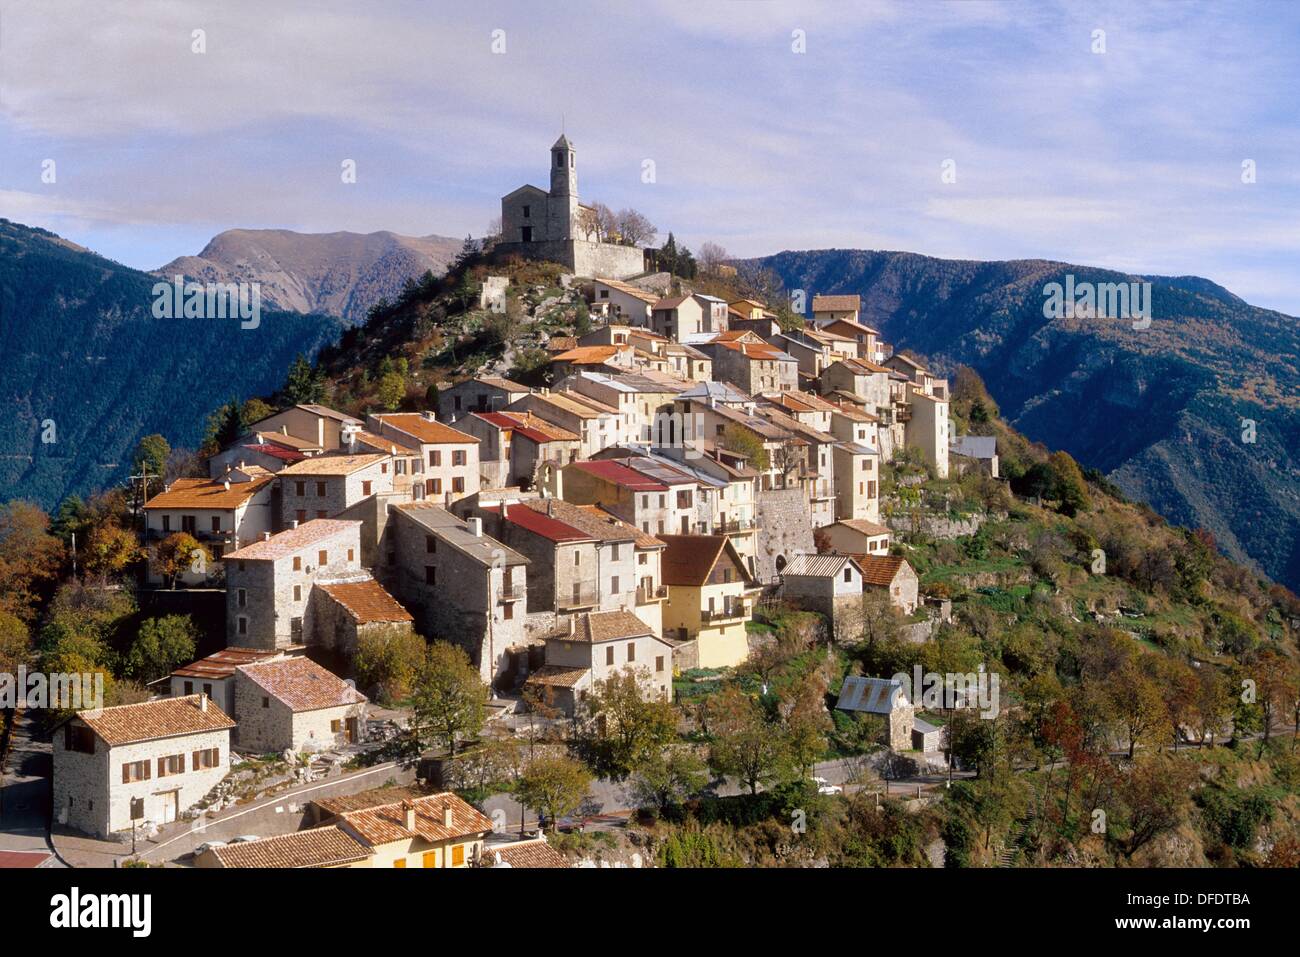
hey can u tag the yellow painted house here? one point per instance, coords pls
(710, 597)
(439, 830)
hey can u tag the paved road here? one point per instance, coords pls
(25, 794)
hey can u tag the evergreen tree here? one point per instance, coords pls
(304, 384)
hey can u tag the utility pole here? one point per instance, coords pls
(144, 478)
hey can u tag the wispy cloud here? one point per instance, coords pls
(1132, 156)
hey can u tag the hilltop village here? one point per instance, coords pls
(614, 515)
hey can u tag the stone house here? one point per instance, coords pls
(624, 301)
(857, 478)
(269, 451)
(461, 585)
(269, 584)
(144, 763)
(688, 363)
(895, 576)
(606, 360)
(885, 697)
(866, 339)
(324, 428)
(854, 537)
(328, 485)
(975, 451)
(521, 441)
(828, 309)
(481, 394)
(652, 496)
(926, 737)
(597, 425)
(345, 611)
(859, 377)
(676, 317)
(293, 704)
(710, 597)
(814, 350)
(639, 397)
(214, 675)
(440, 830)
(448, 458)
(830, 585)
(221, 515)
(927, 429)
(595, 646)
(921, 377)
(753, 367)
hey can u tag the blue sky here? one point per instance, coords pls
(1131, 158)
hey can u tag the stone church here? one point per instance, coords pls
(540, 224)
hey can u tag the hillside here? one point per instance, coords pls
(79, 345)
(1159, 410)
(339, 274)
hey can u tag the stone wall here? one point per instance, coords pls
(783, 528)
(581, 257)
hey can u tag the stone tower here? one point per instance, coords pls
(562, 202)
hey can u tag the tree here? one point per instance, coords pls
(634, 229)
(387, 662)
(807, 723)
(304, 385)
(1155, 795)
(711, 257)
(1070, 489)
(255, 410)
(450, 700)
(744, 744)
(1138, 703)
(163, 645)
(72, 517)
(225, 425)
(553, 786)
(110, 549)
(632, 720)
(598, 221)
(30, 557)
(1212, 705)
(150, 459)
(736, 438)
(667, 258)
(15, 643)
(392, 390)
(663, 779)
(1275, 689)
(179, 553)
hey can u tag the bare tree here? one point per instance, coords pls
(711, 257)
(634, 229)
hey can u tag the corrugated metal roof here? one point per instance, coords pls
(872, 695)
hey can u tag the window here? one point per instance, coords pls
(458, 457)
(266, 702)
(167, 523)
(216, 523)
(243, 602)
(321, 513)
(300, 488)
(613, 552)
(78, 737)
(631, 651)
(641, 559)
(135, 771)
(243, 626)
(297, 593)
(430, 575)
(526, 210)
(350, 555)
(383, 468)
(189, 687)
(609, 655)
(400, 863)
(456, 399)
(301, 515)
(297, 563)
(399, 467)
(848, 574)
(430, 859)
(322, 558)
(577, 559)
(458, 484)
(433, 486)
(613, 585)
(458, 856)
(171, 764)
(207, 758)
(435, 458)
(320, 489)
(659, 663)
(508, 612)
(336, 726)
(430, 544)
(365, 488)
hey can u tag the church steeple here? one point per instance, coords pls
(564, 172)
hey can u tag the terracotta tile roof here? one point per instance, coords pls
(619, 475)
(375, 797)
(387, 822)
(276, 451)
(594, 521)
(836, 303)
(379, 443)
(334, 464)
(318, 847)
(441, 523)
(689, 559)
(535, 853)
(429, 433)
(290, 441)
(588, 355)
(760, 352)
(855, 415)
(556, 676)
(864, 367)
(671, 302)
(328, 413)
(504, 384)
(879, 569)
(577, 404)
(855, 326)
(208, 493)
(367, 602)
(149, 720)
(561, 343)
(223, 663)
(291, 540)
(596, 626)
(530, 426)
(301, 684)
(864, 526)
(629, 289)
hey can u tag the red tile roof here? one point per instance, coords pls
(208, 493)
(535, 853)
(620, 475)
(387, 823)
(223, 663)
(539, 523)
(318, 847)
(285, 543)
(366, 602)
(150, 720)
(429, 433)
(302, 684)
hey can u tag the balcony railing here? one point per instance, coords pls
(731, 611)
(736, 525)
(585, 597)
(512, 591)
(645, 595)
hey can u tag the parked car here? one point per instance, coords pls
(207, 846)
(825, 787)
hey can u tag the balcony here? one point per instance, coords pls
(731, 611)
(736, 526)
(585, 597)
(646, 595)
(903, 414)
(511, 591)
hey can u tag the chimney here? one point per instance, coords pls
(504, 506)
(266, 536)
(293, 523)
(550, 508)
(226, 484)
(446, 815)
(429, 416)
(408, 810)
(475, 527)
(203, 703)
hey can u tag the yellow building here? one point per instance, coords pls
(710, 597)
(440, 830)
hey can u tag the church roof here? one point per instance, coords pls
(562, 143)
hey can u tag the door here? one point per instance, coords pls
(170, 806)
(352, 730)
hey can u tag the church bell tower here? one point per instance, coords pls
(563, 199)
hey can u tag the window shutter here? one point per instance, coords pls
(126, 774)
(196, 760)
(146, 770)
(162, 767)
